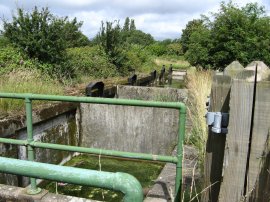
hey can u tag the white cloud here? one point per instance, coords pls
(160, 18)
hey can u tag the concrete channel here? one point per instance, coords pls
(80, 125)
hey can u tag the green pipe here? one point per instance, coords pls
(13, 141)
(30, 150)
(174, 105)
(128, 155)
(180, 145)
(123, 182)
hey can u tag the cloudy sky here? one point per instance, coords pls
(161, 18)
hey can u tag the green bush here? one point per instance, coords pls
(44, 38)
(157, 49)
(4, 41)
(174, 49)
(90, 61)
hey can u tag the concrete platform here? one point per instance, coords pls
(18, 194)
(163, 189)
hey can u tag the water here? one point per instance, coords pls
(145, 172)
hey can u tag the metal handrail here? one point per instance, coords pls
(123, 182)
(31, 144)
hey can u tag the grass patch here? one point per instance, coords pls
(178, 62)
(199, 86)
(25, 81)
(144, 171)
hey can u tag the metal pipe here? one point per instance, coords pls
(174, 105)
(180, 145)
(128, 155)
(123, 182)
(13, 141)
(30, 150)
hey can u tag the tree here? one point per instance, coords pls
(126, 25)
(234, 34)
(132, 25)
(72, 34)
(198, 48)
(42, 35)
(240, 34)
(191, 27)
(110, 39)
(140, 38)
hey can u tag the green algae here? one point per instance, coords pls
(145, 172)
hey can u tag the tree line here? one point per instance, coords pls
(233, 33)
(55, 44)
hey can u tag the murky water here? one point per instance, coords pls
(145, 172)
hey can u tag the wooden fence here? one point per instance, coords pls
(237, 164)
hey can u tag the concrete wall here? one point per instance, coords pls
(150, 93)
(52, 124)
(134, 129)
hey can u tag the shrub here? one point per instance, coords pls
(91, 61)
(157, 49)
(44, 38)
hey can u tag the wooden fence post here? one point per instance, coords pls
(219, 102)
(237, 145)
(258, 184)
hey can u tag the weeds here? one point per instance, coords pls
(199, 86)
(25, 81)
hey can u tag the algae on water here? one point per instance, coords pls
(145, 172)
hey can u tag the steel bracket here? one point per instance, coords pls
(218, 121)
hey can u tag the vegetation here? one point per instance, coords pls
(199, 86)
(232, 33)
(43, 37)
(90, 61)
(55, 46)
(25, 81)
(144, 171)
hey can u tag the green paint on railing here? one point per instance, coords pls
(123, 182)
(30, 143)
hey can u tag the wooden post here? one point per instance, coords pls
(237, 146)
(258, 184)
(219, 102)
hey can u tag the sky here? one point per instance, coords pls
(163, 19)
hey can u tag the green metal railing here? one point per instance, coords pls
(31, 144)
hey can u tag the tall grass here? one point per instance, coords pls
(177, 62)
(25, 81)
(199, 86)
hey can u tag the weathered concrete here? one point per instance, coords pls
(9, 125)
(54, 124)
(179, 75)
(163, 189)
(263, 71)
(17, 194)
(233, 69)
(150, 93)
(134, 129)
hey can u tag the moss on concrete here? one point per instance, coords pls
(145, 172)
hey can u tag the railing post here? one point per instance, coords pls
(181, 137)
(30, 150)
